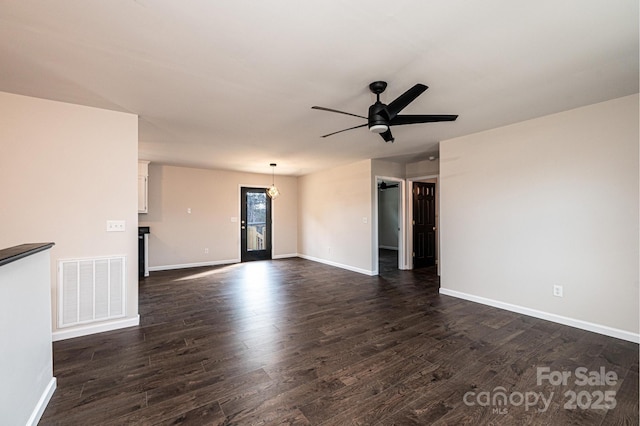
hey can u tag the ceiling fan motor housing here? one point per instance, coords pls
(378, 120)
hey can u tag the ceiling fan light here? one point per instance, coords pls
(379, 128)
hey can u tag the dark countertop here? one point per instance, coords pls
(14, 253)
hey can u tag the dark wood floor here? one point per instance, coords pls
(296, 342)
(387, 261)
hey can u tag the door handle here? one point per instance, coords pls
(434, 228)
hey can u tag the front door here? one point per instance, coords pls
(255, 224)
(424, 224)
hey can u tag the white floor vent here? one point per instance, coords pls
(90, 290)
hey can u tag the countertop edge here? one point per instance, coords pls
(21, 251)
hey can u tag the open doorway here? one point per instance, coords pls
(389, 229)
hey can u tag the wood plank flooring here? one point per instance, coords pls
(297, 342)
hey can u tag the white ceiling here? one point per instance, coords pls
(230, 84)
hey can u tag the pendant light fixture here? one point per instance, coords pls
(273, 192)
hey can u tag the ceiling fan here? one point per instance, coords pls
(382, 116)
(384, 185)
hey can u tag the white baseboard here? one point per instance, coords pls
(583, 325)
(388, 248)
(95, 328)
(42, 403)
(338, 265)
(284, 256)
(193, 265)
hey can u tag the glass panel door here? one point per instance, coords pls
(255, 224)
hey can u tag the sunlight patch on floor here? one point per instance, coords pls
(204, 274)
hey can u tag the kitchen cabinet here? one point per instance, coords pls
(143, 186)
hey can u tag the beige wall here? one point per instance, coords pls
(547, 201)
(179, 238)
(423, 168)
(387, 169)
(65, 170)
(334, 216)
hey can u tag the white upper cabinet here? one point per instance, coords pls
(143, 186)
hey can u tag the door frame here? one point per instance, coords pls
(236, 220)
(409, 210)
(402, 217)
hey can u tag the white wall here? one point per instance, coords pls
(26, 363)
(66, 169)
(335, 209)
(548, 201)
(179, 238)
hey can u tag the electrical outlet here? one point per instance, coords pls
(557, 290)
(206, 251)
(115, 226)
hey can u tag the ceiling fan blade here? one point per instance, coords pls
(344, 130)
(414, 119)
(405, 99)
(384, 185)
(387, 136)
(335, 110)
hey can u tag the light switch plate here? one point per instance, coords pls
(115, 226)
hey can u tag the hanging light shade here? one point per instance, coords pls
(273, 191)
